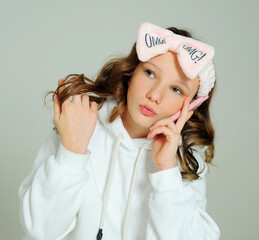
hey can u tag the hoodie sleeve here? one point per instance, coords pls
(51, 195)
(178, 207)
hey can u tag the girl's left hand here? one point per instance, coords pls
(167, 136)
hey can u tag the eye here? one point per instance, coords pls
(150, 73)
(179, 90)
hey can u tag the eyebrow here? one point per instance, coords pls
(153, 65)
(180, 82)
(184, 83)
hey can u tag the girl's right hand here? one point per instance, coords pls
(75, 122)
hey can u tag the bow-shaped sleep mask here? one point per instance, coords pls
(194, 57)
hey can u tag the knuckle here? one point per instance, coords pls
(84, 95)
(78, 108)
(65, 104)
(66, 107)
(94, 104)
(67, 101)
(85, 99)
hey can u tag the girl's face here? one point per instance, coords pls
(161, 84)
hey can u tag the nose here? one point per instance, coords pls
(155, 94)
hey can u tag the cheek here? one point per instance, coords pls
(172, 106)
(137, 86)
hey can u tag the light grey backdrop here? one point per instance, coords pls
(42, 41)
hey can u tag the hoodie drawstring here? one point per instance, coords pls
(132, 187)
(108, 187)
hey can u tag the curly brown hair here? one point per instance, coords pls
(112, 80)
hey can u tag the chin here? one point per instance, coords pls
(143, 121)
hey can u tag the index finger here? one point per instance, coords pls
(56, 108)
(184, 114)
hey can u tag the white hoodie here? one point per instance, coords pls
(64, 195)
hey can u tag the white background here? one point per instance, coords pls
(42, 41)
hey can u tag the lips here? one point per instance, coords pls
(150, 109)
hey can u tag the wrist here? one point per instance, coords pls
(164, 167)
(74, 148)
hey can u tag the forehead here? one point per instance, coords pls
(166, 62)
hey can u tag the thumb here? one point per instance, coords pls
(56, 107)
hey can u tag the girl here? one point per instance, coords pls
(118, 166)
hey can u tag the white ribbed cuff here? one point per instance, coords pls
(73, 162)
(166, 180)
